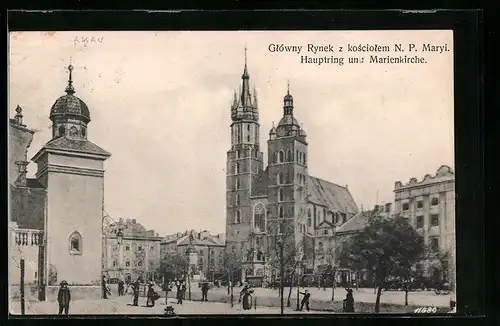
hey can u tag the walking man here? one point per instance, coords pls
(151, 296)
(204, 291)
(104, 288)
(135, 289)
(180, 292)
(63, 298)
(305, 300)
(120, 288)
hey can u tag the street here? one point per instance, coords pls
(122, 306)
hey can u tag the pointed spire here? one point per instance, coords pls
(288, 87)
(70, 89)
(245, 87)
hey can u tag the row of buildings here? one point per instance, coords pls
(57, 221)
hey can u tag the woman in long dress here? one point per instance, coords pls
(247, 299)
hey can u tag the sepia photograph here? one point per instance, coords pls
(189, 173)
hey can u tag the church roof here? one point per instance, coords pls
(321, 192)
(331, 195)
(356, 223)
(75, 145)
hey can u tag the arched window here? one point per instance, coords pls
(75, 243)
(297, 155)
(320, 246)
(237, 185)
(298, 177)
(62, 131)
(281, 156)
(305, 159)
(237, 201)
(238, 217)
(280, 178)
(275, 158)
(238, 154)
(280, 195)
(289, 156)
(237, 168)
(259, 218)
(309, 223)
(280, 212)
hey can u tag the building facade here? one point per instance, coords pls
(136, 256)
(281, 204)
(429, 204)
(206, 252)
(59, 213)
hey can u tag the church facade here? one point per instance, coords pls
(277, 205)
(70, 183)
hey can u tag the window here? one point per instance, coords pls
(237, 185)
(434, 243)
(201, 252)
(280, 195)
(420, 222)
(212, 262)
(73, 131)
(248, 138)
(309, 212)
(289, 156)
(127, 247)
(139, 248)
(75, 243)
(325, 232)
(280, 212)
(281, 156)
(152, 248)
(248, 127)
(259, 218)
(298, 177)
(62, 131)
(309, 222)
(320, 246)
(406, 206)
(434, 220)
(238, 217)
(280, 178)
(275, 158)
(127, 263)
(420, 204)
(319, 216)
(237, 168)
(305, 160)
(83, 132)
(434, 201)
(297, 155)
(237, 201)
(139, 263)
(238, 154)
(282, 228)
(344, 218)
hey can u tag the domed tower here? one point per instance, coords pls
(71, 168)
(287, 168)
(244, 161)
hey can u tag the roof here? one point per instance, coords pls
(443, 174)
(356, 223)
(75, 145)
(207, 241)
(331, 195)
(260, 188)
(69, 104)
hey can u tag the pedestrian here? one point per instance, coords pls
(247, 298)
(204, 291)
(305, 300)
(63, 298)
(229, 285)
(135, 289)
(180, 294)
(152, 296)
(349, 301)
(104, 288)
(120, 288)
(168, 288)
(243, 291)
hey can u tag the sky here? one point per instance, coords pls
(160, 104)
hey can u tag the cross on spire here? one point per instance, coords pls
(288, 87)
(70, 89)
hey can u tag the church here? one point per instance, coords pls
(277, 205)
(56, 218)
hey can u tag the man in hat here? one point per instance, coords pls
(151, 296)
(305, 300)
(63, 298)
(135, 289)
(104, 288)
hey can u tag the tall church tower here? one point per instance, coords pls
(244, 164)
(71, 168)
(288, 175)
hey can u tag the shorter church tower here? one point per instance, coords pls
(71, 168)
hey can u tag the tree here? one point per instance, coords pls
(388, 246)
(173, 265)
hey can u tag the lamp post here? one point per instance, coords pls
(119, 240)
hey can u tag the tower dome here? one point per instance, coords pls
(69, 104)
(69, 114)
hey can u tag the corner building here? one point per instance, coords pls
(281, 203)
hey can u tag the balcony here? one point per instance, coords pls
(27, 237)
